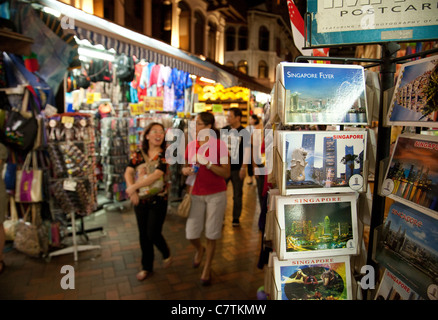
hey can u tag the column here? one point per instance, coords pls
(221, 42)
(207, 31)
(147, 18)
(174, 41)
(119, 13)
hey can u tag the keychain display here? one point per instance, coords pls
(71, 147)
(114, 152)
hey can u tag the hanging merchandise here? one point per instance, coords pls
(114, 153)
(71, 150)
(28, 187)
(100, 70)
(54, 54)
(26, 234)
(31, 62)
(125, 68)
(178, 81)
(3, 79)
(20, 128)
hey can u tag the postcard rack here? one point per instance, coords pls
(286, 237)
(406, 183)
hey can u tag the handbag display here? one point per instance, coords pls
(28, 186)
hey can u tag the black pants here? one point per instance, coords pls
(150, 218)
(237, 184)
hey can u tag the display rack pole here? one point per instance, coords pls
(75, 248)
(387, 72)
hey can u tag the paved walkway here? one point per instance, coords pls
(109, 273)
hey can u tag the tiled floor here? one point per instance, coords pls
(109, 273)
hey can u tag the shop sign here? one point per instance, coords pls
(336, 22)
(199, 107)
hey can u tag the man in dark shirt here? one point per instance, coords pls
(238, 141)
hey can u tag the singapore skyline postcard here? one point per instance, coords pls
(319, 225)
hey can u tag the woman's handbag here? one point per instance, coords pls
(28, 186)
(186, 203)
(143, 170)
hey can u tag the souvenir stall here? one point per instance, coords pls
(366, 248)
(30, 72)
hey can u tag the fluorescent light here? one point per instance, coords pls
(89, 53)
(52, 12)
(207, 80)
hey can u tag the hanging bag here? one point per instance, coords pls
(10, 174)
(26, 237)
(20, 127)
(10, 225)
(29, 181)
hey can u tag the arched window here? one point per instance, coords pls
(242, 66)
(184, 26)
(230, 39)
(263, 70)
(243, 38)
(230, 64)
(264, 38)
(211, 52)
(199, 38)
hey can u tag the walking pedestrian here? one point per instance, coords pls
(145, 178)
(207, 158)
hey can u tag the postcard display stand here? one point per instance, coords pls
(406, 244)
(313, 218)
(73, 185)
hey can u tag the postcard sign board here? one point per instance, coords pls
(408, 247)
(321, 161)
(317, 225)
(321, 94)
(415, 99)
(333, 22)
(412, 174)
(324, 278)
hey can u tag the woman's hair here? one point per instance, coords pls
(145, 144)
(256, 118)
(208, 119)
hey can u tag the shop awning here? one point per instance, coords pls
(123, 40)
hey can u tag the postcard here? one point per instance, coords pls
(321, 94)
(322, 161)
(408, 247)
(324, 278)
(392, 288)
(412, 174)
(317, 225)
(415, 100)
